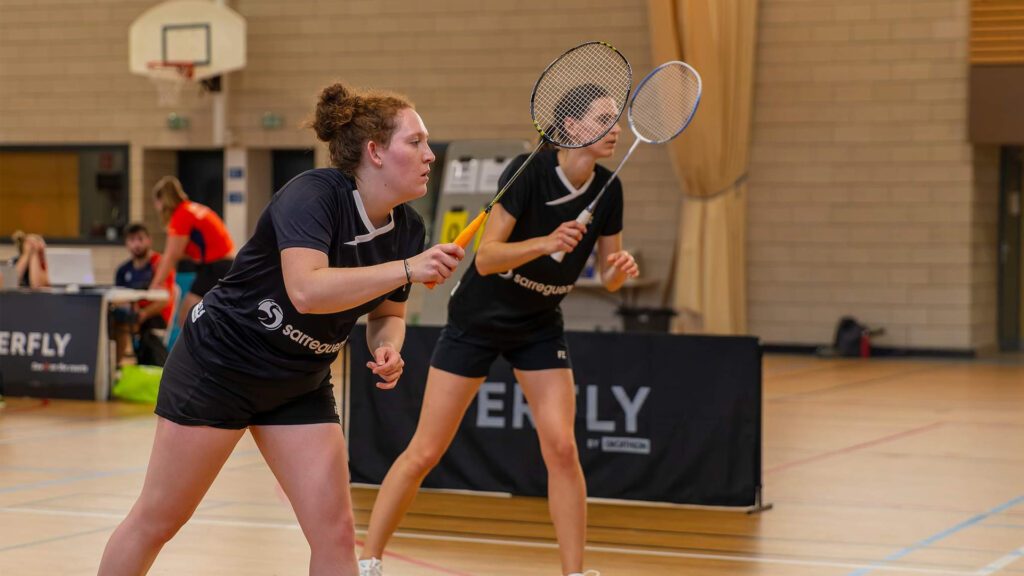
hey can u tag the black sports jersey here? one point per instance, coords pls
(248, 325)
(526, 300)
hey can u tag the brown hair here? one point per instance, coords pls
(169, 191)
(346, 119)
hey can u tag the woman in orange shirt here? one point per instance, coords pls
(195, 231)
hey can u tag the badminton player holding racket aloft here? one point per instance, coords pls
(661, 108)
(508, 304)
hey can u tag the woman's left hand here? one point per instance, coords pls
(388, 366)
(624, 262)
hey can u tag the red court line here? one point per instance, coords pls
(853, 448)
(422, 564)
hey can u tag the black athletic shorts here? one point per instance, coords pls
(207, 276)
(193, 396)
(471, 355)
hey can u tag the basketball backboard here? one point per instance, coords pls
(205, 38)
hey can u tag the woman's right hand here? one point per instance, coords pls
(435, 264)
(564, 238)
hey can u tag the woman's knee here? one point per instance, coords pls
(158, 524)
(420, 459)
(561, 453)
(336, 531)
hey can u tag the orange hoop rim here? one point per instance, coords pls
(185, 69)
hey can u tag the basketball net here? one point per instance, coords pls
(170, 78)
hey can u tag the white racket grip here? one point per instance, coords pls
(583, 218)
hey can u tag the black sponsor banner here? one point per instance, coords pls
(663, 418)
(48, 344)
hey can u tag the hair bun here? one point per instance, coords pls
(334, 111)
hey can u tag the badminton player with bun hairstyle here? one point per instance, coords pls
(508, 303)
(332, 245)
(193, 231)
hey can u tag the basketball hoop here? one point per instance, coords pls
(169, 79)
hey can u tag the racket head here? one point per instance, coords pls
(664, 102)
(561, 104)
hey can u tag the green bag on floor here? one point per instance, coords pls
(138, 384)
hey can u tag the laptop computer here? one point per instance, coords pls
(9, 272)
(68, 266)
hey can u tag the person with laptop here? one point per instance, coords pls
(143, 319)
(30, 263)
(194, 231)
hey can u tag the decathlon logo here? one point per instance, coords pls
(269, 314)
(197, 311)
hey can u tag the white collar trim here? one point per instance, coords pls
(573, 191)
(371, 231)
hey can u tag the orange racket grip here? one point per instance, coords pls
(465, 236)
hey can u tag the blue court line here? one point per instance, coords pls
(936, 537)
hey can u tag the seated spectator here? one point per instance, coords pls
(143, 321)
(30, 263)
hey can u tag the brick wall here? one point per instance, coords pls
(469, 67)
(865, 196)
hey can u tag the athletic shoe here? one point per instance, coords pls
(371, 567)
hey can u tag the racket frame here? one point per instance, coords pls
(588, 213)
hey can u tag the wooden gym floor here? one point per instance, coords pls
(884, 467)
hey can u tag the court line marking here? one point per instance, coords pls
(56, 538)
(46, 469)
(1000, 563)
(211, 503)
(110, 473)
(869, 381)
(71, 479)
(201, 521)
(853, 448)
(83, 430)
(417, 562)
(526, 544)
(938, 536)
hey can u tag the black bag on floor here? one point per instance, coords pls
(848, 335)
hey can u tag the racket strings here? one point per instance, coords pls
(664, 104)
(572, 84)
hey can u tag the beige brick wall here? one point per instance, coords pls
(865, 196)
(468, 65)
